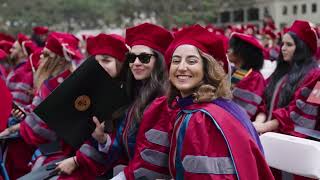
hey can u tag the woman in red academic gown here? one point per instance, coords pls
(205, 135)
(287, 110)
(53, 69)
(146, 80)
(246, 53)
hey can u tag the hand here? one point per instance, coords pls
(268, 126)
(10, 130)
(6, 132)
(259, 126)
(261, 117)
(98, 134)
(18, 113)
(67, 166)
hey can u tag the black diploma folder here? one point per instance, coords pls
(89, 91)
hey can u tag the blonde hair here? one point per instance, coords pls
(51, 65)
(215, 84)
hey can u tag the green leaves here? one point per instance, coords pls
(73, 15)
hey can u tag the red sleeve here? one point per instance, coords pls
(20, 85)
(299, 112)
(248, 93)
(90, 159)
(33, 130)
(98, 161)
(152, 138)
(29, 136)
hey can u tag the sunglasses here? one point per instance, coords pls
(143, 57)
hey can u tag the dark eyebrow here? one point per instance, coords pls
(287, 42)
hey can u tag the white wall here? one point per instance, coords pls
(290, 17)
(275, 10)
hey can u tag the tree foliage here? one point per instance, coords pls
(71, 15)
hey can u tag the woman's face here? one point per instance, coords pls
(109, 64)
(233, 58)
(186, 69)
(15, 50)
(140, 69)
(288, 47)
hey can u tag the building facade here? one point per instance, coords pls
(283, 12)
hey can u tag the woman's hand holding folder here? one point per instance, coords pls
(67, 166)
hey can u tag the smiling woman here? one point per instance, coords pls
(208, 118)
(145, 80)
(141, 61)
(186, 74)
(186, 69)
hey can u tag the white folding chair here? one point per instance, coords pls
(292, 154)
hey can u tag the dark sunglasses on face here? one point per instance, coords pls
(143, 57)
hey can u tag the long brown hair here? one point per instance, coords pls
(215, 83)
(143, 93)
(302, 62)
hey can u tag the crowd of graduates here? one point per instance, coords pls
(198, 100)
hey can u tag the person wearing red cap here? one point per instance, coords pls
(16, 52)
(251, 29)
(20, 83)
(6, 46)
(39, 35)
(146, 79)
(287, 109)
(7, 37)
(53, 69)
(144, 39)
(183, 124)
(269, 40)
(204, 96)
(229, 30)
(246, 53)
(109, 51)
(6, 62)
(148, 42)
